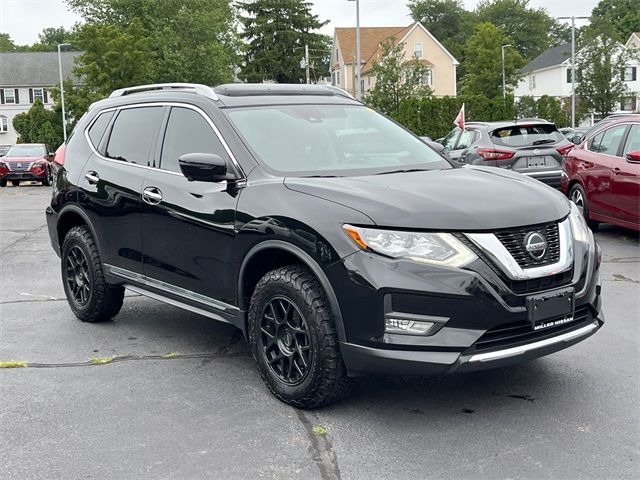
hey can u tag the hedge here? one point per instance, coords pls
(434, 116)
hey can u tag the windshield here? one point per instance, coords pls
(26, 151)
(330, 140)
(526, 135)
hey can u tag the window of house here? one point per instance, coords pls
(628, 104)
(10, 95)
(630, 74)
(417, 50)
(532, 82)
(337, 78)
(362, 85)
(4, 124)
(38, 93)
(187, 132)
(427, 78)
(337, 55)
(134, 134)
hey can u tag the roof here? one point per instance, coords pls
(550, 57)
(370, 40)
(34, 69)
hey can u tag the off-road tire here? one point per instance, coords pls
(577, 192)
(326, 380)
(104, 300)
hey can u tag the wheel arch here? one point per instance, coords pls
(277, 253)
(73, 216)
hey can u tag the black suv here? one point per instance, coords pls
(336, 240)
(532, 147)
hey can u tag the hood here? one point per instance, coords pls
(466, 199)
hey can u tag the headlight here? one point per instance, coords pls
(581, 232)
(434, 248)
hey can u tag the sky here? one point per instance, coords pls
(23, 20)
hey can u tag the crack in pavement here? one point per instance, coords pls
(127, 358)
(26, 235)
(320, 448)
(621, 278)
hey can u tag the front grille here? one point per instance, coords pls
(519, 333)
(513, 240)
(13, 166)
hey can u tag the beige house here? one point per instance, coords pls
(418, 43)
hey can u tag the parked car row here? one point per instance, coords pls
(26, 161)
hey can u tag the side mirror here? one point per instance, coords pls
(633, 156)
(204, 167)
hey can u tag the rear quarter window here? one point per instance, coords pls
(98, 127)
(526, 135)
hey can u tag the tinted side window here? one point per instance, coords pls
(633, 140)
(133, 134)
(594, 143)
(96, 131)
(611, 140)
(188, 132)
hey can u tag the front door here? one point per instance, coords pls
(188, 228)
(626, 180)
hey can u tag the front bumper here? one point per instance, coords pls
(24, 175)
(485, 322)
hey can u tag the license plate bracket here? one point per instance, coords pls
(536, 162)
(552, 308)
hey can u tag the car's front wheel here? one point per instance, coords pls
(90, 297)
(293, 339)
(578, 196)
(3, 182)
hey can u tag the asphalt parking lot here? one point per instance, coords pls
(184, 401)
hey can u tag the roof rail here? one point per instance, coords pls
(339, 91)
(196, 87)
(532, 119)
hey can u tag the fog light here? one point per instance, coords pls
(407, 327)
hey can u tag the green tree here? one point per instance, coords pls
(527, 107)
(484, 62)
(551, 109)
(191, 40)
(6, 44)
(276, 32)
(601, 64)
(622, 15)
(527, 27)
(396, 79)
(447, 20)
(50, 38)
(38, 125)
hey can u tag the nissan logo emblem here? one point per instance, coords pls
(536, 151)
(536, 245)
(19, 165)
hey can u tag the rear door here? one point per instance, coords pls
(602, 154)
(111, 181)
(188, 229)
(626, 181)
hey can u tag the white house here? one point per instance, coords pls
(418, 42)
(550, 74)
(25, 77)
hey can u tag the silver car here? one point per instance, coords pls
(532, 147)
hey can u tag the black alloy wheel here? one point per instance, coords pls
(78, 275)
(285, 340)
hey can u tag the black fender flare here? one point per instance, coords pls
(76, 209)
(310, 263)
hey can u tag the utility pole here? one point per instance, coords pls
(64, 118)
(306, 61)
(573, 65)
(504, 79)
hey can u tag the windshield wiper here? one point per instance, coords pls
(542, 142)
(407, 170)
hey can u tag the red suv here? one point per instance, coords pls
(602, 175)
(26, 161)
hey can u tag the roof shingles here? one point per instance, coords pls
(37, 69)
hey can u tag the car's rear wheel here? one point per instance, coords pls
(293, 339)
(15, 183)
(578, 196)
(90, 297)
(47, 179)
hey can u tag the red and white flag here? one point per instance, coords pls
(459, 121)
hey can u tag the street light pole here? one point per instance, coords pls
(357, 62)
(64, 118)
(573, 65)
(504, 80)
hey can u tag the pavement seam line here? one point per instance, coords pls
(133, 358)
(320, 448)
